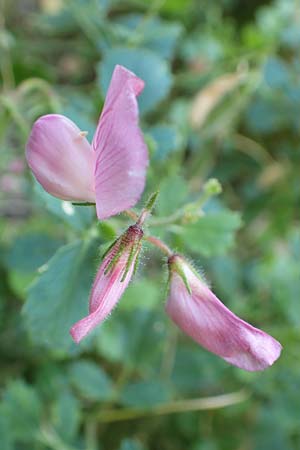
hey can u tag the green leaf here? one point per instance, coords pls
(145, 64)
(66, 415)
(20, 282)
(131, 444)
(134, 337)
(154, 34)
(22, 408)
(213, 234)
(196, 370)
(111, 340)
(78, 217)
(5, 431)
(276, 73)
(172, 192)
(144, 394)
(167, 139)
(90, 380)
(143, 293)
(30, 251)
(59, 297)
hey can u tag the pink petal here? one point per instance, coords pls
(205, 319)
(61, 158)
(121, 153)
(108, 287)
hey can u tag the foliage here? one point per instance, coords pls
(58, 56)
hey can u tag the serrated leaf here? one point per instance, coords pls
(145, 64)
(213, 234)
(172, 192)
(90, 380)
(59, 297)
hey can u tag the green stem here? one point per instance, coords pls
(193, 209)
(197, 404)
(16, 115)
(159, 244)
(147, 209)
(45, 88)
(169, 220)
(6, 66)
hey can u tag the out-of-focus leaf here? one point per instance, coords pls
(131, 444)
(145, 64)
(59, 296)
(133, 338)
(167, 139)
(66, 415)
(152, 33)
(227, 280)
(22, 409)
(79, 217)
(290, 36)
(51, 380)
(207, 445)
(276, 73)
(145, 394)
(141, 293)
(61, 18)
(264, 116)
(173, 191)
(90, 380)
(202, 49)
(112, 339)
(213, 234)
(5, 431)
(79, 108)
(30, 251)
(195, 369)
(20, 282)
(279, 275)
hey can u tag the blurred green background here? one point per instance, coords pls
(222, 99)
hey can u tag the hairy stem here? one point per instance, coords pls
(159, 244)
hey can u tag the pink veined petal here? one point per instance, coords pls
(109, 287)
(106, 292)
(203, 317)
(61, 158)
(121, 153)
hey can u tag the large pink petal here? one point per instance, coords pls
(61, 158)
(121, 153)
(205, 319)
(109, 285)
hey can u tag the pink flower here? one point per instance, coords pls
(111, 171)
(201, 315)
(111, 281)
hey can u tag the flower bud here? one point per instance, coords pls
(112, 278)
(203, 317)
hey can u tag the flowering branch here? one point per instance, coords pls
(110, 173)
